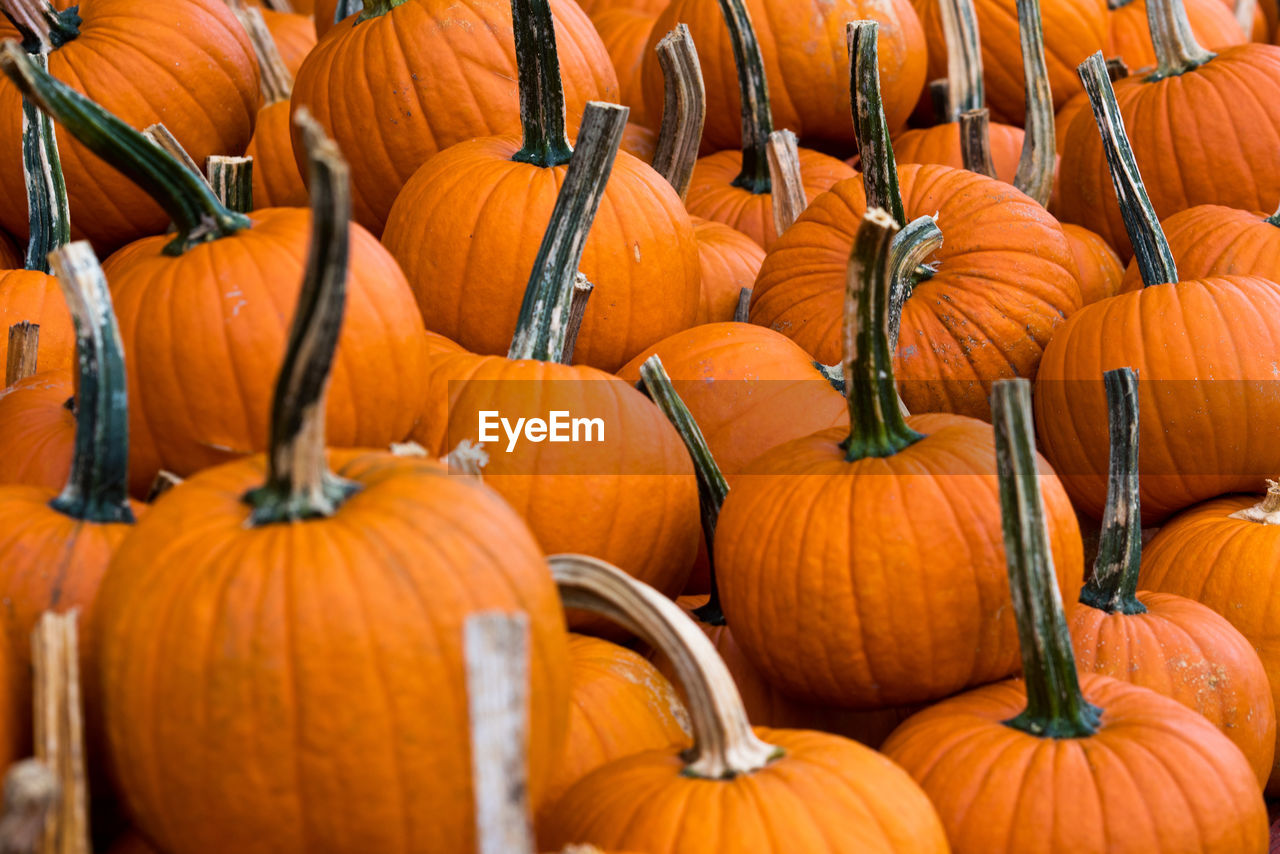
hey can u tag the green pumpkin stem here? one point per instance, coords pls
(543, 323)
(1039, 145)
(712, 487)
(876, 425)
(23, 353)
(753, 92)
(232, 181)
(875, 151)
(47, 209)
(190, 203)
(42, 27)
(369, 10)
(1113, 587)
(1056, 707)
(1274, 219)
(541, 91)
(911, 248)
(964, 58)
(684, 109)
(1177, 50)
(299, 484)
(1150, 248)
(975, 142)
(97, 488)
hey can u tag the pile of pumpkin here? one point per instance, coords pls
(811, 588)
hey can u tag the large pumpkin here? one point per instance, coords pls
(1212, 240)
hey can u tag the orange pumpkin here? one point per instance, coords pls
(276, 179)
(625, 33)
(1101, 273)
(33, 295)
(1129, 35)
(326, 14)
(728, 261)
(294, 34)
(37, 430)
(1210, 240)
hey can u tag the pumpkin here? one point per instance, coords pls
(294, 35)
(728, 261)
(199, 394)
(318, 551)
(1055, 762)
(37, 430)
(329, 12)
(1101, 273)
(467, 226)
(1129, 37)
(166, 51)
(625, 34)
(1211, 240)
(594, 7)
(276, 179)
(736, 791)
(1201, 346)
(445, 73)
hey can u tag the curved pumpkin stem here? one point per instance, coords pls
(1039, 145)
(684, 109)
(975, 142)
(1150, 248)
(753, 90)
(724, 744)
(42, 27)
(48, 212)
(1113, 587)
(97, 489)
(541, 90)
(1056, 707)
(369, 9)
(544, 314)
(192, 206)
(911, 248)
(789, 199)
(1177, 50)
(875, 151)
(712, 487)
(276, 78)
(232, 181)
(964, 58)
(299, 483)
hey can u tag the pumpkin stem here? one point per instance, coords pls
(47, 209)
(788, 185)
(1113, 587)
(544, 314)
(1056, 707)
(875, 151)
(724, 745)
(346, 8)
(684, 109)
(1265, 512)
(541, 90)
(276, 78)
(712, 487)
(964, 58)
(1177, 50)
(913, 245)
(1150, 248)
(368, 10)
(975, 142)
(1244, 10)
(1274, 219)
(753, 91)
(876, 426)
(582, 290)
(299, 484)
(1039, 145)
(23, 353)
(232, 181)
(97, 489)
(42, 27)
(192, 206)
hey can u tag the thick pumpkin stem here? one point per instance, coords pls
(875, 151)
(724, 744)
(1266, 511)
(876, 426)
(48, 213)
(369, 9)
(975, 142)
(232, 181)
(753, 90)
(192, 206)
(684, 109)
(1150, 248)
(23, 352)
(911, 248)
(789, 199)
(541, 90)
(1177, 50)
(276, 78)
(712, 487)
(1039, 145)
(97, 489)
(1113, 587)
(299, 483)
(1056, 707)
(42, 27)
(544, 314)
(964, 58)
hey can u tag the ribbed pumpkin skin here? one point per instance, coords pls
(1101, 273)
(1207, 161)
(467, 227)
(396, 89)
(712, 196)
(204, 334)
(826, 795)
(596, 7)
(1006, 279)
(941, 144)
(729, 261)
(187, 63)
(806, 60)
(36, 297)
(1129, 37)
(1073, 29)
(295, 36)
(896, 586)
(37, 430)
(330, 652)
(625, 33)
(1227, 564)
(277, 183)
(1210, 240)
(1187, 652)
(1155, 777)
(749, 388)
(1204, 350)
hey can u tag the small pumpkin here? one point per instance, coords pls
(37, 430)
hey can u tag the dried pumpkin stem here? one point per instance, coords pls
(788, 185)
(1274, 219)
(42, 27)
(582, 290)
(541, 91)
(911, 248)
(684, 109)
(48, 212)
(24, 349)
(1177, 50)
(1039, 145)
(964, 58)
(544, 315)
(369, 9)
(753, 90)
(875, 151)
(975, 142)
(232, 181)
(1244, 10)
(876, 426)
(31, 797)
(276, 80)
(724, 744)
(1116, 69)
(1056, 707)
(192, 206)
(1266, 511)
(97, 487)
(712, 487)
(742, 311)
(58, 721)
(1113, 587)
(299, 484)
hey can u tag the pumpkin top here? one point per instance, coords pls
(753, 86)
(875, 150)
(1266, 511)
(43, 28)
(684, 109)
(1177, 50)
(542, 103)
(372, 9)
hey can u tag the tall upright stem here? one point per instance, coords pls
(541, 90)
(48, 212)
(975, 142)
(1177, 50)
(276, 78)
(1039, 145)
(879, 170)
(753, 89)
(684, 109)
(964, 58)
(789, 200)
